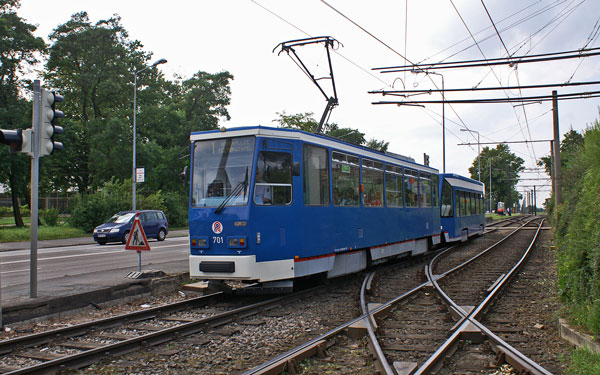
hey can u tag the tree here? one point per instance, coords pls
(91, 66)
(19, 49)
(569, 148)
(94, 66)
(505, 167)
(305, 122)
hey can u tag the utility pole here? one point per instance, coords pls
(534, 201)
(490, 163)
(556, 164)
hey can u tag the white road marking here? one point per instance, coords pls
(81, 255)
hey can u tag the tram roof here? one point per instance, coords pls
(320, 139)
(463, 182)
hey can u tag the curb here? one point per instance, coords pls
(578, 339)
(47, 307)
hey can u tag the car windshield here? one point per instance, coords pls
(121, 218)
(221, 170)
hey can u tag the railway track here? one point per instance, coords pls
(83, 344)
(416, 332)
(198, 326)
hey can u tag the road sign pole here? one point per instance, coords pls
(139, 260)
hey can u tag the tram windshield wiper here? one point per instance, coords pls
(237, 190)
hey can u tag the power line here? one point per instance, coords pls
(530, 99)
(494, 25)
(307, 34)
(429, 91)
(495, 61)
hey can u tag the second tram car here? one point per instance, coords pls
(270, 205)
(462, 207)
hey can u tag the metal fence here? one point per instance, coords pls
(44, 203)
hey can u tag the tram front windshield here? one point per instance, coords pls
(222, 171)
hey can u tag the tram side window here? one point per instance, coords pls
(316, 176)
(447, 200)
(345, 175)
(463, 204)
(425, 189)
(393, 186)
(372, 174)
(435, 184)
(469, 204)
(411, 187)
(273, 183)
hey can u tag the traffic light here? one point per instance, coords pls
(48, 127)
(19, 140)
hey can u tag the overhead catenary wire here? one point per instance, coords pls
(393, 50)
(309, 35)
(553, 56)
(540, 98)
(528, 17)
(472, 89)
(495, 28)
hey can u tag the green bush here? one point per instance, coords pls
(173, 204)
(577, 234)
(176, 209)
(6, 211)
(49, 217)
(91, 210)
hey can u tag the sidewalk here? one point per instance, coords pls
(9, 246)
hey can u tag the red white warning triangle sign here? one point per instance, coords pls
(137, 238)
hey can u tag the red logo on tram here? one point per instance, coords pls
(217, 227)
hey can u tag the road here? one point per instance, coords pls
(76, 269)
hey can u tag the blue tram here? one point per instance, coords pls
(271, 204)
(462, 207)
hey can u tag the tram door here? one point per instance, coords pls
(273, 198)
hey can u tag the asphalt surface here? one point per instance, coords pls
(8, 246)
(67, 293)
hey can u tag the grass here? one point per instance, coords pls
(10, 220)
(583, 362)
(12, 234)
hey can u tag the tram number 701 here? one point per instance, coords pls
(217, 240)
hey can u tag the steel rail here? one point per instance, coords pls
(514, 357)
(279, 363)
(443, 275)
(90, 356)
(381, 362)
(6, 346)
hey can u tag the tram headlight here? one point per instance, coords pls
(200, 242)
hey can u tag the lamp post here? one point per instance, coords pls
(478, 151)
(157, 62)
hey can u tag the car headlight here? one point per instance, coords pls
(115, 230)
(95, 230)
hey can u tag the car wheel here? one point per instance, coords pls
(162, 234)
(101, 242)
(125, 237)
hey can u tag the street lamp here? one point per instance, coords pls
(157, 62)
(443, 114)
(478, 151)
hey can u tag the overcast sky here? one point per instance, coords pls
(239, 36)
